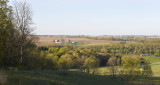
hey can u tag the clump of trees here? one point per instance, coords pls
(65, 62)
(7, 33)
(91, 64)
(129, 68)
(16, 43)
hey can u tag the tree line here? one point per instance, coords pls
(89, 58)
(16, 41)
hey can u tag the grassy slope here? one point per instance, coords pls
(155, 64)
(155, 80)
(57, 78)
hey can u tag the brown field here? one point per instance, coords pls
(49, 40)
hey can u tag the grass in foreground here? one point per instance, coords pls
(57, 78)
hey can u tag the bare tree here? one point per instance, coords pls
(113, 63)
(23, 22)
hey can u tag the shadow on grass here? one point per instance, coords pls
(39, 77)
(144, 81)
(48, 77)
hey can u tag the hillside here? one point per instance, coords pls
(57, 78)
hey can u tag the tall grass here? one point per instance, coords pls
(3, 78)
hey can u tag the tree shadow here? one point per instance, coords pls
(51, 77)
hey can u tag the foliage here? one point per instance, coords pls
(66, 62)
(8, 36)
(147, 70)
(91, 63)
(131, 64)
(10, 40)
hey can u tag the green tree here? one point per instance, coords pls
(65, 61)
(130, 66)
(8, 34)
(91, 64)
(157, 52)
(147, 70)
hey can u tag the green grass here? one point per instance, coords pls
(155, 64)
(57, 78)
(154, 59)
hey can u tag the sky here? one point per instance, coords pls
(96, 17)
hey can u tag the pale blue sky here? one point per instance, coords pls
(96, 17)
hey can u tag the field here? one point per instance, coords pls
(49, 40)
(155, 64)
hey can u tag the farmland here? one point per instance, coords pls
(49, 40)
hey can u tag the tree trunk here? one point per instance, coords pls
(21, 59)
